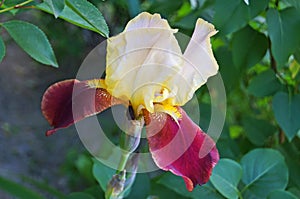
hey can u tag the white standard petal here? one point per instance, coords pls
(141, 60)
(199, 63)
(147, 20)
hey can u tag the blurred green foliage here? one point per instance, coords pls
(258, 50)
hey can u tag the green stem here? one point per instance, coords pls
(16, 6)
(129, 142)
(123, 161)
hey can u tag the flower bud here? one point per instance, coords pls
(115, 186)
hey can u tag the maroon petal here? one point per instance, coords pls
(70, 101)
(181, 147)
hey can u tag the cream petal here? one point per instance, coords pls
(146, 20)
(199, 64)
(145, 56)
(145, 64)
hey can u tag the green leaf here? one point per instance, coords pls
(165, 7)
(283, 28)
(32, 40)
(79, 195)
(68, 15)
(133, 7)
(226, 176)
(294, 68)
(57, 6)
(287, 113)
(72, 16)
(140, 187)
(292, 157)
(163, 192)
(17, 190)
(228, 147)
(235, 14)
(90, 14)
(297, 55)
(258, 130)
(102, 173)
(248, 47)
(294, 191)
(95, 191)
(280, 194)
(84, 164)
(264, 171)
(2, 49)
(295, 3)
(176, 184)
(206, 11)
(264, 84)
(230, 73)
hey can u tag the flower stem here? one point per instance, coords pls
(16, 6)
(129, 141)
(123, 161)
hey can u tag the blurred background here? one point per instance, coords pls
(30, 158)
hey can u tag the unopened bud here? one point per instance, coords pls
(115, 186)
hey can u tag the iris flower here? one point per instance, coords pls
(146, 70)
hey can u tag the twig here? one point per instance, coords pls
(16, 6)
(273, 63)
(272, 59)
(23, 7)
(281, 136)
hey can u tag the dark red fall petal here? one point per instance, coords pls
(182, 148)
(70, 101)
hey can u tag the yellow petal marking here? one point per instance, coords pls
(97, 83)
